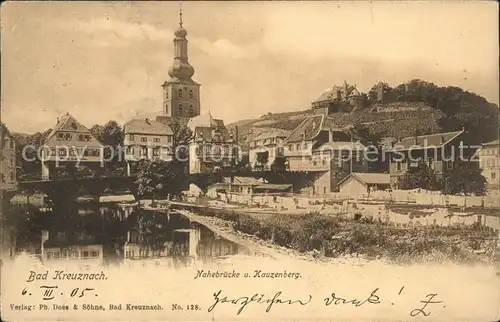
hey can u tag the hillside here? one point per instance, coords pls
(416, 107)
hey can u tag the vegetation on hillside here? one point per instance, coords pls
(451, 109)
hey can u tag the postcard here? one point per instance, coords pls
(250, 161)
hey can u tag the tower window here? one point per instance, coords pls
(166, 94)
(180, 92)
(191, 93)
(191, 109)
(180, 107)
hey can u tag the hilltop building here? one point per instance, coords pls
(343, 98)
(68, 143)
(490, 164)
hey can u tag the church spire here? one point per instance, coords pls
(180, 15)
(181, 68)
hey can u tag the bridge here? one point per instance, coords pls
(68, 188)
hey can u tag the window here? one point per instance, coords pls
(12, 144)
(80, 137)
(144, 139)
(290, 147)
(60, 136)
(166, 94)
(13, 176)
(85, 254)
(67, 137)
(191, 93)
(131, 137)
(62, 152)
(156, 152)
(180, 108)
(94, 253)
(297, 146)
(144, 151)
(169, 139)
(191, 109)
(179, 93)
(156, 140)
(72, 152)
(449, 165)
(493, 175)
(398, 165)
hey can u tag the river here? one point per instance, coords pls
(114, 234)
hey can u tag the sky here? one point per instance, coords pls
(106, 61)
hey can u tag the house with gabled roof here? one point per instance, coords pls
(70, 145)
(317, 146)
(267, 148)
(440, 151)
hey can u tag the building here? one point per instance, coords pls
(271, 188)
(343, 98)
(490, 164)
(267, 149)
(439, 151)
(363, 183)
(8, 179)
(316, 146)
(146, 139)
(69, 148)
(181, 94)
(213, 147)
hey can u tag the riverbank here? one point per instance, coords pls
(322, 237)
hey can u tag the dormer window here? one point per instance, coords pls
(179, 93)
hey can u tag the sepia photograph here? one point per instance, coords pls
(249, 161)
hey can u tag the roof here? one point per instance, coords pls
(495, 143)
(67, 123)
(218, 184)
(369, 178)
(310, 127)
(425, 141)
(146, 126)
(272, 133)
(339, 145)
(331, 93)
(244, 181)
(205, 126)
(271, 186)
(183, 121)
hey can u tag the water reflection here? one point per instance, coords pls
(115, 233)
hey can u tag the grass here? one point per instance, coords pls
(334, 236)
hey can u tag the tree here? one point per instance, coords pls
(419, 177)
(110, 135)
(29, 163)
(152, 178)
(465, 178)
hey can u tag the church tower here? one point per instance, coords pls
(181, 94)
